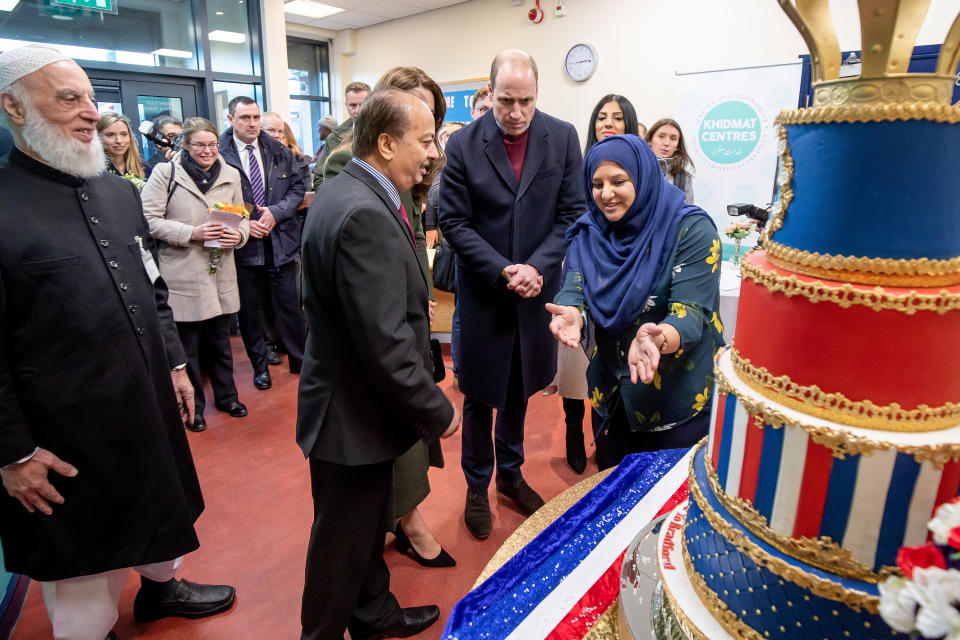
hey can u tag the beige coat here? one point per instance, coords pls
(195, 293)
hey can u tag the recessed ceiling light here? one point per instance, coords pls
(60, 17)
(309, 9)
(219, 13)
(228, 36)
(172, 53)
(8, 5)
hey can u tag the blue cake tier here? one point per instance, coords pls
(866, 189)
(766, 593)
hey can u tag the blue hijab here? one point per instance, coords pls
(622, 261)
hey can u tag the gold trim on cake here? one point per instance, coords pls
(892, 272)
(822, 587)
(821, 552)
(676, 609)
(836, 406)
(840, 442)
(846, 295)
(888, 112)
(784, 179)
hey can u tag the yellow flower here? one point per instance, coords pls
(714, 257)
(656, 379)
(701, 400)
(596, 398)
(678, 309)
(716, 322)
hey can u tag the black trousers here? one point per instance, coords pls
(614, 439)
(212, 337)
(275, 286)
(347, 583)
(485, 442)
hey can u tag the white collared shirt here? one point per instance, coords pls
(245, 159)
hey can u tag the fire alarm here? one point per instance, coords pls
(559, 9)
(535, 15)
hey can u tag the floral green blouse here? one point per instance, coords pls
(686, 297)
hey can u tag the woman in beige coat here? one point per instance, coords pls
(202, 280)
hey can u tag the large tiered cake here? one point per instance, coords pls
(836, 412)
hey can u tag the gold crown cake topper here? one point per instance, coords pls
(888, 31)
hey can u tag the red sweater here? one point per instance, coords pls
(516, 150)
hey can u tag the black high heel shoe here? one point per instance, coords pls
(403, 543)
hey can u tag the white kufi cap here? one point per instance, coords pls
(23, 61)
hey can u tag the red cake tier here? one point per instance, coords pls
(880, 357)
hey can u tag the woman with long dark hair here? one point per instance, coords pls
(614, 115)
(666, 140)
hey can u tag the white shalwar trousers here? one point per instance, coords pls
(85, 608)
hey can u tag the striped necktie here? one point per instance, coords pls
(256, 178)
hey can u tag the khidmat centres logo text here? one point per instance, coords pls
(729, 132)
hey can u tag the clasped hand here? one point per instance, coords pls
(523, 280)
(28, 483)
(228, 238)
(262, 227)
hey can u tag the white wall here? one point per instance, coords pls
(640, 44)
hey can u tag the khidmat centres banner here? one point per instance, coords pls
(727, 121)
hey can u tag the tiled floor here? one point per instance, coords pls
(254, 531)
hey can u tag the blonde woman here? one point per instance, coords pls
(202, 280)
(118, 145)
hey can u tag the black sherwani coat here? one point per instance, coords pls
(85, 356)
(491, 222)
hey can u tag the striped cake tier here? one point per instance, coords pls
(857, 186)
(882, 358)
(840, 498)
(755, 590)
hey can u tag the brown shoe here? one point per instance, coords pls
(520, 492)
(477, 514)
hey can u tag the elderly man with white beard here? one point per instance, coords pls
(96, 468)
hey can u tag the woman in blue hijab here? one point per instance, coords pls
(643, 272)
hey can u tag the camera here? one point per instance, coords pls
(758, 214)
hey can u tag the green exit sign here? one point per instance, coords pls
(106, 6)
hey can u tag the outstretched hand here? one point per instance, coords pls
(28, 483)
(566, 324)
(644, 356)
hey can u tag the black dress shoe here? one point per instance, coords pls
(576, 453)
(262, 380)
(476, 514)
(443, 559)
(520, 492)
(273, 358)
(235, 409)
(412, 621)
(182, 598)
(198, 424)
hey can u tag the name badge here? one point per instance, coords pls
(148, 262)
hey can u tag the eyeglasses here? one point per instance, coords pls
(213, 146)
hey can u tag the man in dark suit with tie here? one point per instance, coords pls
(266, 265)
(505, 211)
(366, 390)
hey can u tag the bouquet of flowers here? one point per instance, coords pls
(136, 180)
(738, 231)
(925, 601)
(229, 215)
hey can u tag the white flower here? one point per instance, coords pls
(897, 604)
(937, 591)
(946, 518)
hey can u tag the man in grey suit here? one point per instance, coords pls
(366, 390)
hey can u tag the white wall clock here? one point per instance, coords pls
(581, 62)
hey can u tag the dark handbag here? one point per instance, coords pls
(439, 369)
(444, 267)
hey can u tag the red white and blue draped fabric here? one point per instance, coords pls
(557, 586)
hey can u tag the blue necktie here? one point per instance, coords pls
(256, 180)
